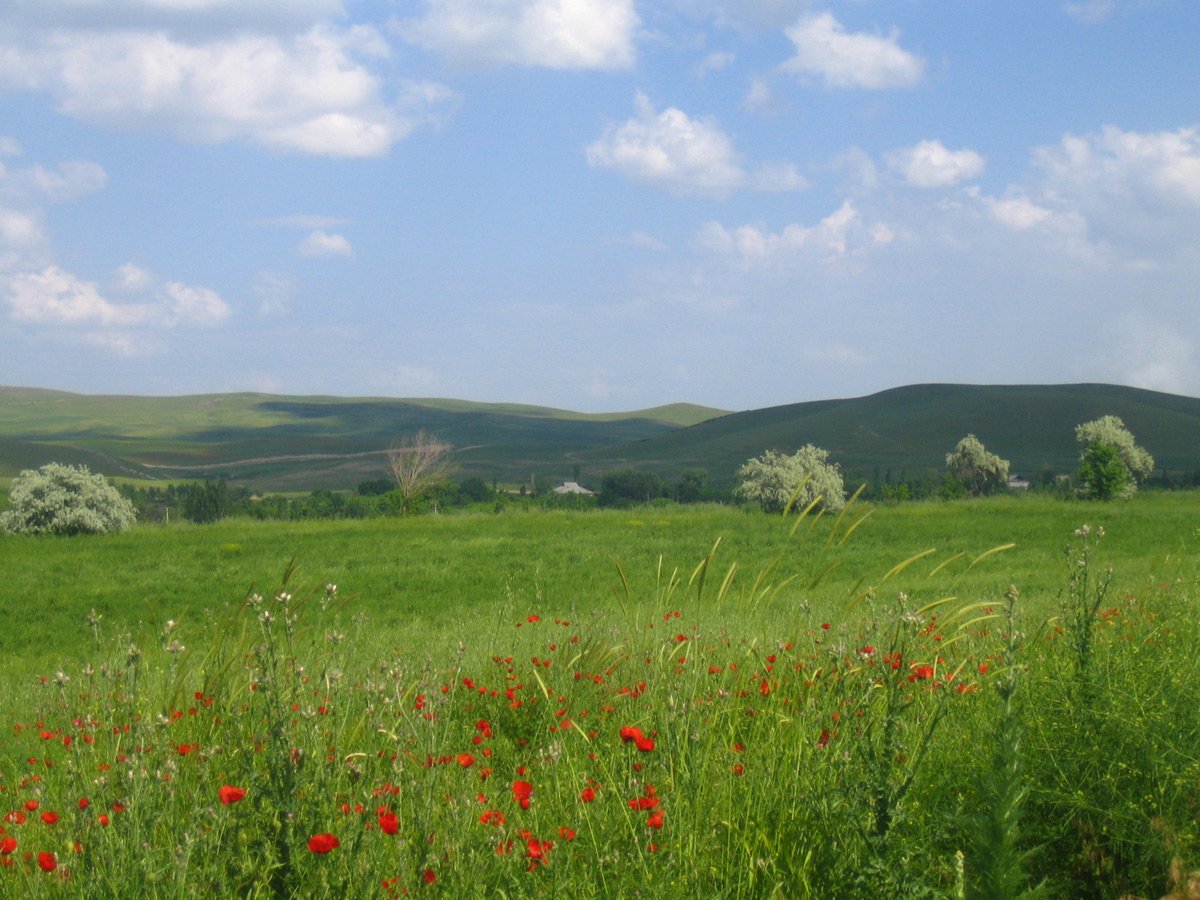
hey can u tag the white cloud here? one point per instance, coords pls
(9, 147)
(555, 34)
(1018, 213)
(67, 182)
(929, 164)
(752, 244)
(308, 92)
(1162, 166)
(19, 229)
(275, 291)
(645, 242)
(186, 305)
(758, 96)
(847, 60)
(53, 296)
(777, 177)
(131, 277)
(1155, 356)
(714, 62)
(1137, 193)
(259, 15)
(672, 151)
(1090, 12)
(322, 244)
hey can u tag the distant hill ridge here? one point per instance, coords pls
(301, 443)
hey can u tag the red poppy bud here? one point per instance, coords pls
(230, 794)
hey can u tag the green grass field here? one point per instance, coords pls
(431, 576)
(554, 704)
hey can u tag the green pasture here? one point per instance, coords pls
(433, 580)
(543, 704)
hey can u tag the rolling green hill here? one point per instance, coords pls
(302, 443)
(911, 429)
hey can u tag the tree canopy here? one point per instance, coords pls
(66, 500)
(1099, 470)
(979, 471)
(771, 480)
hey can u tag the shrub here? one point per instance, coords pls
(60, 499)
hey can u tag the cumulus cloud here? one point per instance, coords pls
(850, 60)
(1016, 212)
(555, 34)
(53, 296)
(322, 245)
(311, 92)
(929, 164)
(18, 229)
(1137, 192)
(672, 151)
(831, 238)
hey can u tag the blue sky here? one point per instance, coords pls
(598, 204)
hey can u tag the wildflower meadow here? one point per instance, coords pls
(796, 723)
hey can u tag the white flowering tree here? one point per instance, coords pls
(772, 479)
(61, 499)
(979, 471)
(1109, 448)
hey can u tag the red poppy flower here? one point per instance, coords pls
(630, 733)
(8, 845)
(587, 795)
(656, 819)
(49, 817)
(644, 743)
(522, 792)
(429, 876)
(466, 760)
(230, 794)
(83, 802)
(536, 851)
(388, 823)
(323, 843)
(47, 862)
(567, 834)
(920, 673)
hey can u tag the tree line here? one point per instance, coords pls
(60, 499)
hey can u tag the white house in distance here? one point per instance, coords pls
(1017, 483)
(573, 487)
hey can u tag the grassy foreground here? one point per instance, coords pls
(487, 704)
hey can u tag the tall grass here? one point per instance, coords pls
(771, 725)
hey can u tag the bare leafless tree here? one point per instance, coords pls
(420, 463)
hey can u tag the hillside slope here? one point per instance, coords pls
(910, 429)
(303, 443)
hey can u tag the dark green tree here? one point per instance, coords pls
(690, 486)
(1103, 475)
(631, 486)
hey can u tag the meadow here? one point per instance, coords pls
(934, 699)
